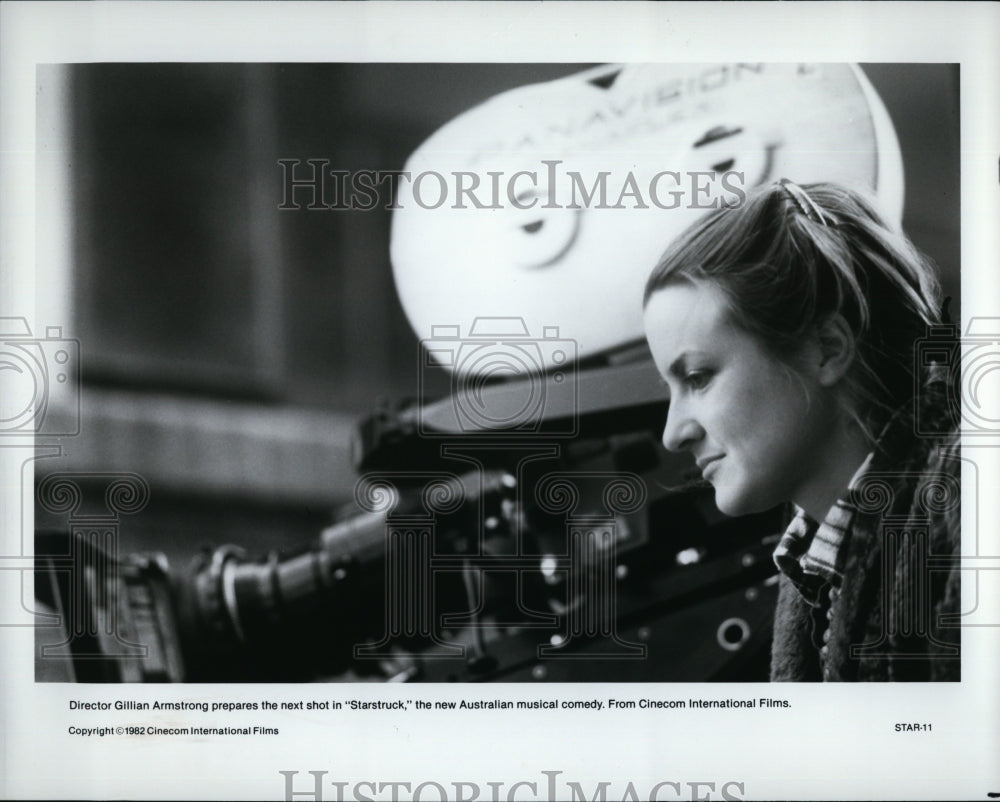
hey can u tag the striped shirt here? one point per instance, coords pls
(812, 554)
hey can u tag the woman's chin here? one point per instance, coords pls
(736, 504)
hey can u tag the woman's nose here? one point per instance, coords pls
(681, 430)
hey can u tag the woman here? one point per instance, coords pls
(785, 329)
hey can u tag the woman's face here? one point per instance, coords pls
(755, 426)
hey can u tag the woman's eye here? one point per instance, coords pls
(697, 379)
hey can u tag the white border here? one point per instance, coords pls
(837, 742)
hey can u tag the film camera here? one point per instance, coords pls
(462, 558)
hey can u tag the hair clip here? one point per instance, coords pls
(801, 199)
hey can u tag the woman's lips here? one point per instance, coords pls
(708, 465)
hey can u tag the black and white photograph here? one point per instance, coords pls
(371, 375)
(429, 417)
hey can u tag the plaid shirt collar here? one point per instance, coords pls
(812, 554)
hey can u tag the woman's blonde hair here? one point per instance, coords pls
(790, 256)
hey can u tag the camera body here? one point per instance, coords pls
(38, 374)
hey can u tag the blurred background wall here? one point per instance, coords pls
(227, 346)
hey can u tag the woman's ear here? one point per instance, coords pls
(837, 349)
